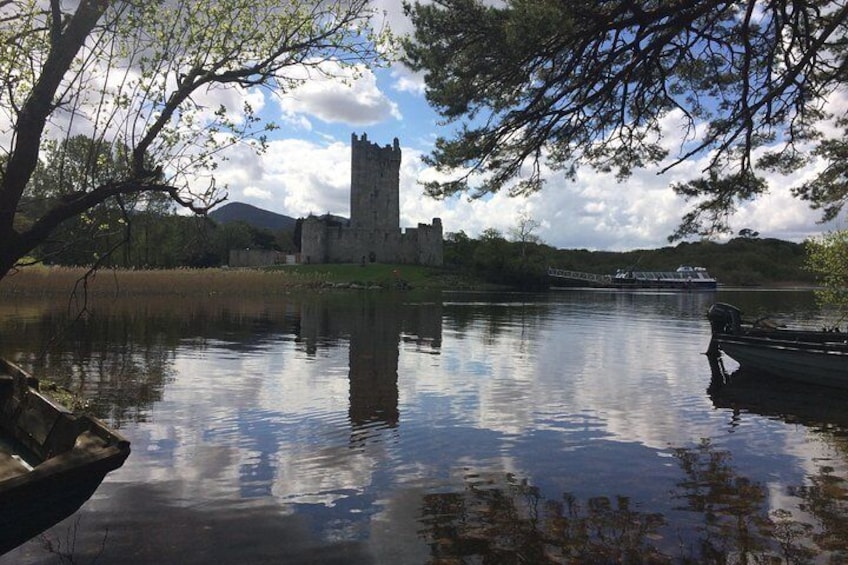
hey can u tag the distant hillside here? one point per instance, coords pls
(256, 217)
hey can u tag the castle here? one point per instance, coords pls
(373, 233)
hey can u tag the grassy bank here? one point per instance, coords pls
(385, 276)
(45, 281)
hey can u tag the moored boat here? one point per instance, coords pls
(51, 460)
(684, 278)
(814, 357)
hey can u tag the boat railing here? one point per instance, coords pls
(668, 275)
(578, 275)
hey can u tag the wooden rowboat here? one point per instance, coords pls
(51, 460)
(813, 357)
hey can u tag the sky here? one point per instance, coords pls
(307, 170)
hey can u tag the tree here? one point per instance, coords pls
(569, 84)
(145, 76)
(491, 253)
(458, 249)
(524, 232)
(80, 163)
(827, 257)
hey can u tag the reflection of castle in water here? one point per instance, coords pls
(374, 326)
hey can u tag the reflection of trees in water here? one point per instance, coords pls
(503, 519)
(823, 501)
(826, 498)
(732, 506)
(506, 520)
(119, 355)
(737, 525)
(119, 363)
(62, 544)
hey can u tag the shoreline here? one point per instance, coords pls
(50, 281)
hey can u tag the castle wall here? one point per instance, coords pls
(341, 244)
(313, 241)
(374, 234)
(351, 245)
(255, 258)
(430, 245)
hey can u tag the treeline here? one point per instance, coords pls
(136, 230)
(154, 240)
(164, 239)
(744, 261)
(521, 264)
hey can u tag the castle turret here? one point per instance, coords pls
(374, 185)
(313, 247)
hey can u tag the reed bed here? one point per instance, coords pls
(47, 281)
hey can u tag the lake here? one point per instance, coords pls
(571, 426)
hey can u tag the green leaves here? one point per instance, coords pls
(170, 82)
(236, 49)
(540, 83)
(829, 190)
(827, 258)
(716, 199)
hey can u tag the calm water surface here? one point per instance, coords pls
(574, 426)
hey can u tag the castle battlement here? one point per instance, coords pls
(361, 145)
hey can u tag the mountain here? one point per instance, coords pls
(256, 217)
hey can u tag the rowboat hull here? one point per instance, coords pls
(51, 460)
(807, 362)
(812, 357)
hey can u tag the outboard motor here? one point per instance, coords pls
(724, 318)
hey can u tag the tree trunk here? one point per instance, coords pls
(29, 127)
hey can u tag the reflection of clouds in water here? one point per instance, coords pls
(521, 396)
(628, 380)
(545, 369)
(619, 373)
(321, 475)
(585, 394)
(230, 426)
(307, 386)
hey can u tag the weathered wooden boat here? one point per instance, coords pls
(51, 460)
(814, 357)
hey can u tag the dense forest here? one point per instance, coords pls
(164, 239)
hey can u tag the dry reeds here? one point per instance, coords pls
(43, 281)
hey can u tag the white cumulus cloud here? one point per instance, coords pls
(338, 94)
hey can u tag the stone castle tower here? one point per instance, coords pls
(373, 233)
(374, 185)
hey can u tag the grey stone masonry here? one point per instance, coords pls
(373, 233)
(374, 185)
